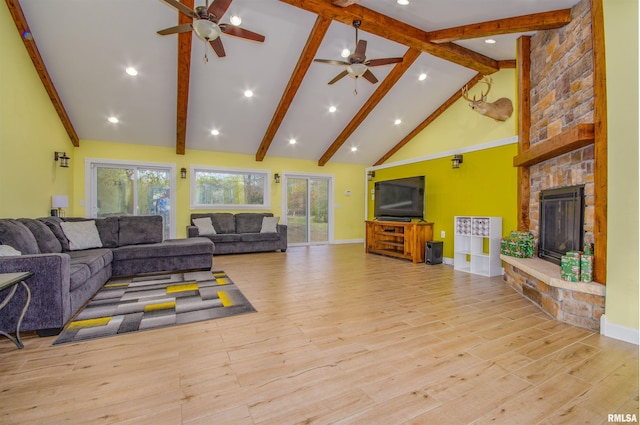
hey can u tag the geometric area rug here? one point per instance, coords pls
(134, 304)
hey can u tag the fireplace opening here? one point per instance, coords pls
(561, 222)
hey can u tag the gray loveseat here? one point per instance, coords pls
(65, 278)
(241, 233)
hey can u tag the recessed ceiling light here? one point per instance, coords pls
(131, 71)
(422, 77)
(332, 108)
(353, 149)
(235, 20)
(345, 53)
(398, 121)
(292, 141)
(248, 93)
(113, 120)
(403, 2)
(215, 132)
(490, 41)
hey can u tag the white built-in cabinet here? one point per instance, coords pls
(477, 245)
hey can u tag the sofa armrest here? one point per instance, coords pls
(282, 231)
(50, 305)
(192, 232)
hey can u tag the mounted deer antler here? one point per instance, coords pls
(500, 110)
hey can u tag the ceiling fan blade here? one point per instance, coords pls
(182, 8)
(176, 30)
(241, 32)
(339, 76)
(384, 61)
(217, 47)
(361, 48)
(332, 62)
(218, 7)
(368, 75)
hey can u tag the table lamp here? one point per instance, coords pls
(58, 202)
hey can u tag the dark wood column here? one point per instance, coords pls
(523, 61)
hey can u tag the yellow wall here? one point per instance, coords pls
(621, 32)
(460, 126)
(485, 184)
(30, 133)
(348, 210)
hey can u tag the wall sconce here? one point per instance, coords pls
(371, 175)
(276, 177)
(456, 161)
(183, 173)
(64, 159)
(58, 202)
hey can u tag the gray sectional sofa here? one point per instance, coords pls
(68, 269)
(242, 232)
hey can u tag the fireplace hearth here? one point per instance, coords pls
(561, 222)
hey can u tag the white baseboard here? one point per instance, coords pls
(620, 332)
(347, 241)
(447, 261)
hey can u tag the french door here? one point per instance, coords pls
(118, 188)
(309, 218)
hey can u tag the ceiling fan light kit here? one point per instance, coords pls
(206, 30)
(356, 63)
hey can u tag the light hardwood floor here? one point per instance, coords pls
(340, 337)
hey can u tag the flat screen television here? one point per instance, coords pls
(399, 198)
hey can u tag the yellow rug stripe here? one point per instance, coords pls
(116, 285)
(219, 274)
(182, 288)
(223, 280)
(89, 323)
(160, 306)
(224, 297)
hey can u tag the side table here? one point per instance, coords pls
(11, 280)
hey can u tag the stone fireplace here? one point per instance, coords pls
(560, 159)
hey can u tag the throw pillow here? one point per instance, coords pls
(7, 251)
(81, 234)
(204, 225)
(269, 225)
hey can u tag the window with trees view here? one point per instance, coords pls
(226, 188)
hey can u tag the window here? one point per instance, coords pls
(216, 188)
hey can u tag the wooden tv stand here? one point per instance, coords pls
(399, 239)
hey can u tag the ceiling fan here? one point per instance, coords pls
(206, 24)
(357, 63)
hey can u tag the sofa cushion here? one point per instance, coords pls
(140, 229)
(18, 236)
(53, 223)
(81, 234)
(250, 222)
(226, 237)
(79, 274)
(95, 259)
(204, 225)
(108, 228)
(269, 225)
(224, 222)
(47, 241)
(259, 237)
(168, 248)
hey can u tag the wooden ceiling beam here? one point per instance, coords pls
(398, 70)
(41, 69)
(457, 95)
(525, 23)
(184, 72)
(304, 62)
(394, 30)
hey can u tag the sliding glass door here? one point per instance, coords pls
(133, 189)
(308, 211)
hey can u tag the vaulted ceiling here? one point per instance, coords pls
(183, 90)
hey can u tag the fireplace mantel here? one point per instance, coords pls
(569, 140)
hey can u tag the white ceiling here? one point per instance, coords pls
(86, 46)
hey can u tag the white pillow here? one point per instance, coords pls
(81, 234)
(8, 251)
(269, 225)
(204, 225)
